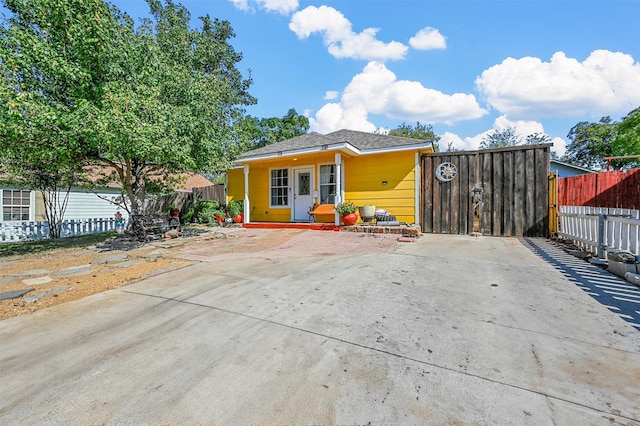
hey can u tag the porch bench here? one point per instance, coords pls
(324, 213)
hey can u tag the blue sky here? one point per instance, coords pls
(465, 66)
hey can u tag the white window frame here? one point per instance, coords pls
(287, 188)
(320, 185)
(29, 206)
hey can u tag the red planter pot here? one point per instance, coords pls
(349, 219)
(239, 218)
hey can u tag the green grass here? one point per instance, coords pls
(43, 246)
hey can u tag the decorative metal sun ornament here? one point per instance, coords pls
(445, 172)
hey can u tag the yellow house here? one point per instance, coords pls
(284, 181)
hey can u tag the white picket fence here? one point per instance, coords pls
(598, 229)
(30, 231)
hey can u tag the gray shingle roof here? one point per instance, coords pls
(362, 141)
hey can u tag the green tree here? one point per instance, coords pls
(173, 104)
(142, 104)
(501, 138)
(537, 138)
(49, 52)
(627, 140)
(266, 131)
(590, 143)
(420, 131)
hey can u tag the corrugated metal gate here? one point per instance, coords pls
(500, 192)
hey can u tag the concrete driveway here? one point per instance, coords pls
(330, 328)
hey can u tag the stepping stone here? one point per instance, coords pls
(6, 295)
(6, 263)
(169, 244)
(126, 263)
(154, 255)
(6, 280)
(111, 259)
(407, 239)
(37, 281)
(74, 271)
(32, 272)
(39, 296)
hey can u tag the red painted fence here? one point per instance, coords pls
(614, 189)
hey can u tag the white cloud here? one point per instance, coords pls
(333, 116)
(339, 37)
(241, 4)
(428, 38)
(376, 90)
(284, 7)
(559, 146)
(331, 95)
(523, 127)
(526, 128)
(456, 142)
(606, 83)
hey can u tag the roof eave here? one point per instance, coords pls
(344, 147)
(416, 147)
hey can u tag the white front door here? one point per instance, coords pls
(302, 194)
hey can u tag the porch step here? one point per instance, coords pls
(292, 225)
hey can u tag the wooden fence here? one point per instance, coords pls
(500, 192)
(29, 231)
(598, 229)
(614, 189)
(159, 204)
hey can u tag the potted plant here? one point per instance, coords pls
(235, 210)
(347, 211)
(173, 210)
(367, 212)
(219, 217)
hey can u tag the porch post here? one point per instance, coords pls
(247, 207)
(339, 191)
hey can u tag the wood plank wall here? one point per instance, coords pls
(613, 189)
(500, 192)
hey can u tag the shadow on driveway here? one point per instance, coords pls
(620, 296)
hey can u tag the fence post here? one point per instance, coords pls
(601, 241)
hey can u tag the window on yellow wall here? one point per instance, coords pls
(279, 187)
(328, 184)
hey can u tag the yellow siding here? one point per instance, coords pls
(363, 178)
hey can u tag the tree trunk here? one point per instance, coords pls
(55, 206)
(136, 188)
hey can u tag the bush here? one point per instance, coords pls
(204, 211)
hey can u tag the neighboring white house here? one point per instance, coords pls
(23, 205)
(19, 205)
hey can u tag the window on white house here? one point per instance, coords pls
(279, 187)
(15, 205)
(328, 184)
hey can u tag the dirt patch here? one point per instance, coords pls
(80, 272)
(73, 269)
